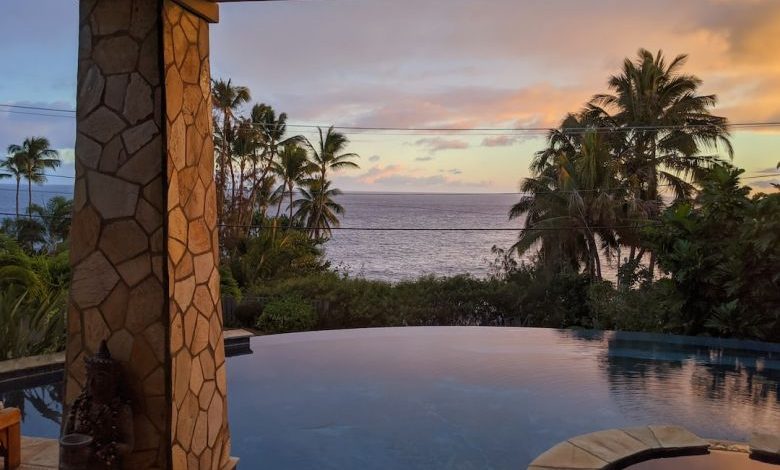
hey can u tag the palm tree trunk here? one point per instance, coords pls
(291, 203)
(29, 198)
(18, 184)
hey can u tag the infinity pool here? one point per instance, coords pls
(468, 398)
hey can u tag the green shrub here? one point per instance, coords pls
(286, 315)
(246, 315)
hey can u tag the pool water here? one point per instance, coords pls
(468, 398)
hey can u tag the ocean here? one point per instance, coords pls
(394, 255)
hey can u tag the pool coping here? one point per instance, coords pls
(38, 370)
(618, 448)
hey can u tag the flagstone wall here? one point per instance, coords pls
(144, 242)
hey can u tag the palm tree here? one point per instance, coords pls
(34, 157)
(14, 168)
(271, 130)
(55, 218)
(226, 98)
(666, 124)
(293, 168)
(329, 155)
(573, 204)
(317, 209)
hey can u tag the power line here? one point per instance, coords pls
(465, 129)
(37, 108)
(404, 229)
(36, 114)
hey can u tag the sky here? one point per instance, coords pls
(431, 63)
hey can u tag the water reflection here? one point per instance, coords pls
(45, 400)
(734, 385)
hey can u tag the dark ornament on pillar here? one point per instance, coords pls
(98, 433)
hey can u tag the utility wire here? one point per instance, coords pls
(463, 129)
(399, 229)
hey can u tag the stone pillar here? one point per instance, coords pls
(144, 247)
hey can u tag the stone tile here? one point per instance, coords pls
(216, 418)
(95, 329)
(112, 156)
(182, 368)
(123, 240)
(121, 345)
(148, 63)
(138, 101)
(116, 54)
(148, 217)
(110, 17)
(180, 45)
(146, 305)
(155, 336)
(766, 444)
(206, 393)
(177, 145)
(92, 281)
(123, 200)
(184, 268)
(145, 164)
(566, 455)
(174, 93)
(88, 153)
(199, 434)
(201, 338)
(199, 237)
(177, 333)
(645, 435)
(202, 301)
(114, 308)
(177, 225)
(611, 446)
(196, 376)
(143, 359)
(144, 19)
(190, 28)
(102, 125)
(675, 437)
(140, 135)
(187, 418)
(84, 234)
(190, 317)
(90, 91)
(115, 91)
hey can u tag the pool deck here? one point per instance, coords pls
(44, 454)
(615, 447)
(38, 454)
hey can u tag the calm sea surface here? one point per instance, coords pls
(394, 255)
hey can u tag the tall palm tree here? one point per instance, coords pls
(226, 99)
(293, 168)
(329, 155)
(271, 130)
(666, 125)
(34, 157)
(573, 204)
(12, 165)
(317, 209)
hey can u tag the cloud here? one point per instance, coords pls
(398, 177)
(770, 170)
(374, 158)
(437, 144)
(426, 158)
(499, 141)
